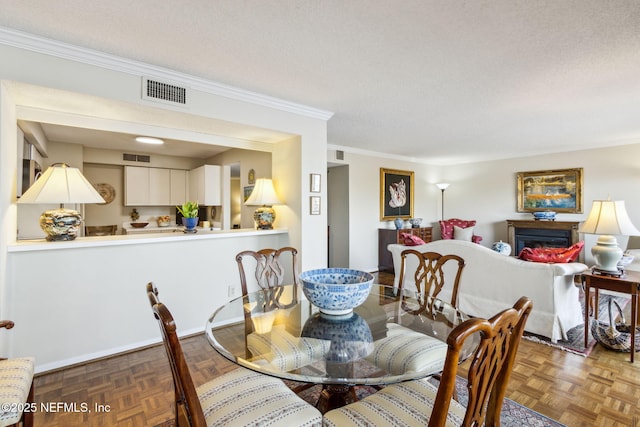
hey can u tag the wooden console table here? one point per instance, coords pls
(387, 236)
(629, 283)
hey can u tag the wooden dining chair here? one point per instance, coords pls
(16, 388)
(269, 267)
(238, 398)
(429, 275)
(420, 403)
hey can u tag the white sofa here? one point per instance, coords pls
(492, 282)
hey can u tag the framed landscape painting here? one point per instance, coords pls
(555, 190)
(396, 194)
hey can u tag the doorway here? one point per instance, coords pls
(338, 216)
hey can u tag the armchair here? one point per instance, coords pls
(447, 230)
(16, 388)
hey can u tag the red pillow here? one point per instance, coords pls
(411, 240)
(551, 255)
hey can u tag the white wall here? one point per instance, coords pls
(485, 192)
(90, 301)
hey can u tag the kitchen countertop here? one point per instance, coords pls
(138, 239)
(154, 228)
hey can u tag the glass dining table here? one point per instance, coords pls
(393, 336)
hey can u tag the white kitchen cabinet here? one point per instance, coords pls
(136, 186)
(153, 186)
(159, 187)
(205, 185)
(179, 186)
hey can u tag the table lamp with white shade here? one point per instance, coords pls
(62, 184)
(263, 195)
(608, 218)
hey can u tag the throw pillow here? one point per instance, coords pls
(552, 255)
(462, 233)
(411, 240)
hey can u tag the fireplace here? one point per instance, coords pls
(536, 234)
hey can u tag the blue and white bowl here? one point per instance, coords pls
(350, 336)
(545, 215)
(336, 291)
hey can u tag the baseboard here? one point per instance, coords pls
(51, 367)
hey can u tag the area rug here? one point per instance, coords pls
(513, 414)
(575, 337)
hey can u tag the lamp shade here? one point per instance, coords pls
(61, 183)
(442, 186)
(609, 217)
(263, 194)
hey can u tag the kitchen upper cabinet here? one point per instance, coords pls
(205, 185)
(159, 187)
(179, 186)
(136, 186)
(154, 186)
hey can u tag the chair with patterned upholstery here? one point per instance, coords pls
(239, 398)
(459, 229)
(419, 402)
(271, 269)
(16, 388)
(403, 348)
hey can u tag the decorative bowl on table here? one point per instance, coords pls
(164, 221)
(625, 260)
(139, 224)
(544, 215)
(336, 291)
(415, 222)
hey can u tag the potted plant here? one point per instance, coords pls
(189, 212)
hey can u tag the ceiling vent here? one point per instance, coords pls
(154, 90)
(136, 158)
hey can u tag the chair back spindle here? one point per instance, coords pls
(429, 275)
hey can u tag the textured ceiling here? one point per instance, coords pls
(438, 81)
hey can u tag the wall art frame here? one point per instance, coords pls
(314, 205)
(555, 190)
(396, 194)
(315, 182)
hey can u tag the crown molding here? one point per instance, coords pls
(27, 41)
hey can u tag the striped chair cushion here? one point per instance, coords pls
(246, 398)
(404, 350)
(404, 404)
(16, 376)
(285, 351)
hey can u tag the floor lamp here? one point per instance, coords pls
(442, 186)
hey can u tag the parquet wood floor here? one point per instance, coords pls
(601, 390)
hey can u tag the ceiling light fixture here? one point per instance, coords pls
(149, 140)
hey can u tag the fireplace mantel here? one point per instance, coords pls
(558, 233)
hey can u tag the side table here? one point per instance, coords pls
(628, 283)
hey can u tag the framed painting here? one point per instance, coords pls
(314, 182)
(396, 194)
(556, 190)
(314, 205)
(247, 191)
